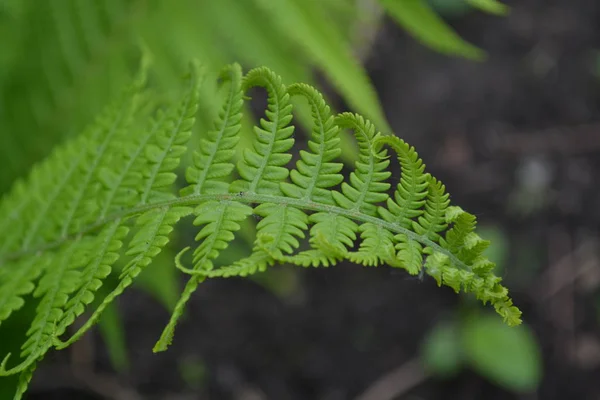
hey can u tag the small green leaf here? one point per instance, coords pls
(441, 351)
(509, 357)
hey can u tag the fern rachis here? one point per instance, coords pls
(112, 189)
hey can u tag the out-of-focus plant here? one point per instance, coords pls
(510, 358)
(62, 60)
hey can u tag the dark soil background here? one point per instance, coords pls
(516, 140)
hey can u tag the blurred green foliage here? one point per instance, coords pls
(441, 351)
(507, 357)
(62, 60)
(193, 371)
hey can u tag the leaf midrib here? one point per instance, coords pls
(247, 198)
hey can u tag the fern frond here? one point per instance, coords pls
(212, 165)
(161, 156)
(106, 249)
(53, 289)
(154, 226)
(112, 192)
(74, 166)
(62, 190)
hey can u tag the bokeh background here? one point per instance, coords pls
(503, 108)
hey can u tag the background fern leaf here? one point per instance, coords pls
(314, 31)
(164, 152)
(80, 196)
(53, 288)
(17, 282)
(106, 250)
(162, 155)
(152, 235)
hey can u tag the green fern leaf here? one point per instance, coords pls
(18, 283)
(212, 162)
(411, 192)
(433, 219)
(368, 184)
(316, 171)
(53, 289)
(161, 154)
(262, 167)
(112, 192)
(164, 153)
(376, 246)
(106, 254)
(410, 254)
(212, 165)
